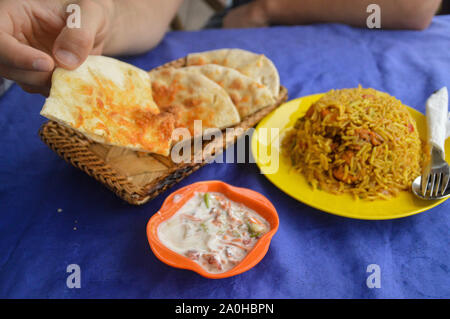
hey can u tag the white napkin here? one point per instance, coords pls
(448, 126)
(437, 118)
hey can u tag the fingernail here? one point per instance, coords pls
(42, 65)
(67, 57)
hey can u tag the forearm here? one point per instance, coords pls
(399, 14)
(138, 25)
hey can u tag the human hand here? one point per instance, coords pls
(251, 15)
(34, 38)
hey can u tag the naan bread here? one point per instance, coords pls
(192, 96)
(247, 94)
(256, 66)
(110, 102)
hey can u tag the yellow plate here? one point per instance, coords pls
(277, 168)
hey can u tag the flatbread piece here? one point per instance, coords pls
(247, 94)
(256, 66)
(110, 102)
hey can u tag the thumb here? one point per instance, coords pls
(73, 44)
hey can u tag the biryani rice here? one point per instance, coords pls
(358, 141)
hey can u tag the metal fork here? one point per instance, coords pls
(436, 175)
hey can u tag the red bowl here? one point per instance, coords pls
(248, 197)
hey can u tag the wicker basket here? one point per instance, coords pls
(133, 176)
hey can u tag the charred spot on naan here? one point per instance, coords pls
(155, 131)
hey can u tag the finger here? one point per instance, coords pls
(21, 56)
(32, 78)
(73, 45)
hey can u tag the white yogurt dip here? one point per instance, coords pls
(213, 231)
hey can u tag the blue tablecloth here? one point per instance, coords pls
(313, 255)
